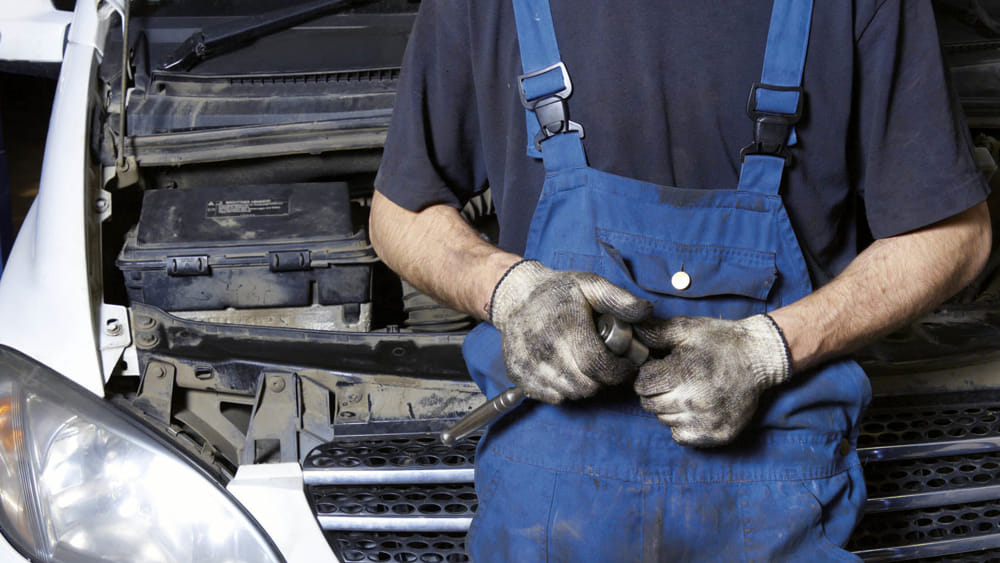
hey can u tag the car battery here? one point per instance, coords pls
(252, 254)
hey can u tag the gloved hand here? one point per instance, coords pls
(546, 323)
(707, 388)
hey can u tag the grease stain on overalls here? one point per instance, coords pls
(601, 479)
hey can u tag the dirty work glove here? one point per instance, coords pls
(707, 388)
(546, 323)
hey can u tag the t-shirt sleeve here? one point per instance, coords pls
(913, 161)
(432, 152)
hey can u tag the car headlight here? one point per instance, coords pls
(81, 481)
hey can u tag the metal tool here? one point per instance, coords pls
(617, 336)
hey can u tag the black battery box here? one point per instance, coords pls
(245, 247)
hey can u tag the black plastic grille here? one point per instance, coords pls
(372, 75)
(917, 424)
(389, 500)
(904, 477)
(423, 452)
(898, 422)
(893, 529)
(398, 547)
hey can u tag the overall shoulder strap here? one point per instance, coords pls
(775, 103)
(544, 87)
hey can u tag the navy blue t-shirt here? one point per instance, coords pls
(661, 89)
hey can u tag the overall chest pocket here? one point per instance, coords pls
(682, 279)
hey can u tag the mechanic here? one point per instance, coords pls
(737, 441)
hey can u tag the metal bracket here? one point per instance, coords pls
(353, 406)
(156, 391)
(273, 433)
(126, 168)
(103, 204)
(115, 336)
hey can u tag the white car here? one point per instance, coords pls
(201, 358)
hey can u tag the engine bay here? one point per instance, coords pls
(262, 322)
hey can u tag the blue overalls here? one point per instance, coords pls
(601, 479)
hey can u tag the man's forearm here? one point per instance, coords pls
(439, 253)
(889, 284)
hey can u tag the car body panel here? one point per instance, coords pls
(32, 31)
(273, 494)
(58, 326)
(9, 554)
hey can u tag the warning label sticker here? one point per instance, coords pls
(247, 207)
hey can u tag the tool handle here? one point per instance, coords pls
(483, 414)
(617, 335)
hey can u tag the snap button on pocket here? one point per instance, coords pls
(680, 280)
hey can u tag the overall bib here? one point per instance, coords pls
(601, 479)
